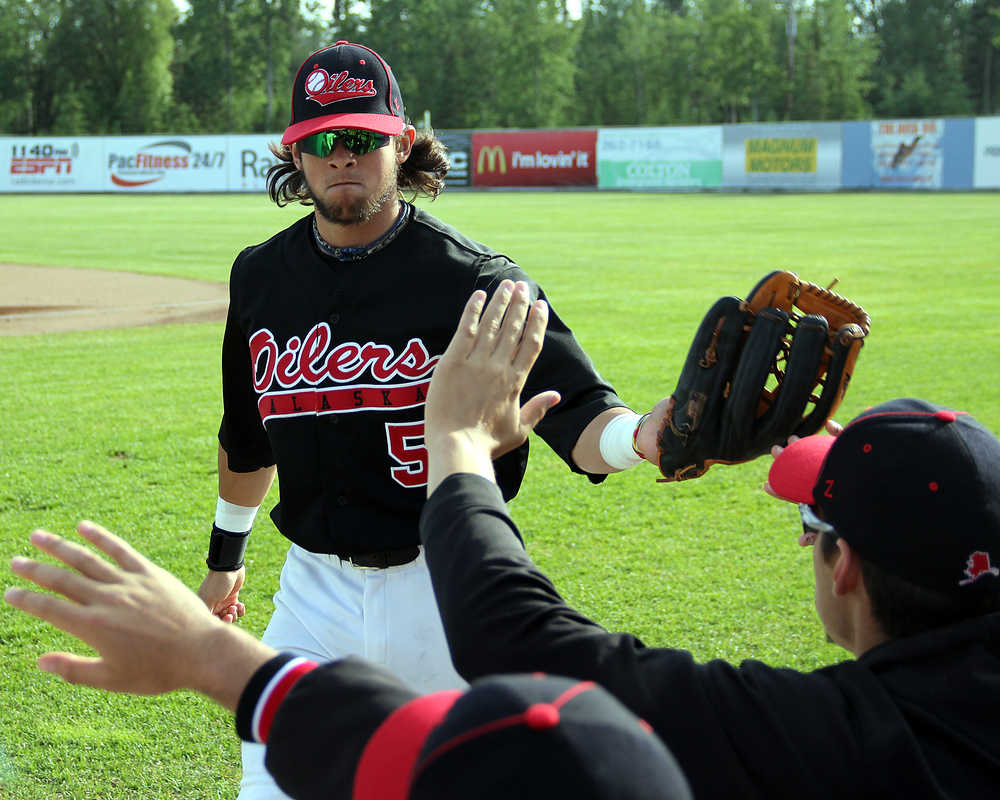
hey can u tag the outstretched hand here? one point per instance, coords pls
(152, 634)
(473, 412)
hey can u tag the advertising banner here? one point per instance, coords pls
(889, 154)
(459, 147)
(248, 161)
(907, 153)
(53, 164)
(786, 156)
(986, 170)
(166, 163)
(534, 158)
(659, 158)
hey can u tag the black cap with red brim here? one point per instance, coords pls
(913, 486)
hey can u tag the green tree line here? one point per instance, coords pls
(211, 66)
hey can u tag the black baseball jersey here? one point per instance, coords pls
(914, 718)
(326, 366)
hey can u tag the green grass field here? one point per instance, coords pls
(119, 427)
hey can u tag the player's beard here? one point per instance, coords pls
(356, 212)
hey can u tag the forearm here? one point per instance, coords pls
(232, 656)
(243, 488)
(240, 496)
(500, 613)
(587, 451)
(456, 452)
(317, 719)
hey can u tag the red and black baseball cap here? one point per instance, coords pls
(517, 736)
(913, 486)
(345, 85)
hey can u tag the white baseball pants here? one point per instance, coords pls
(325, 609)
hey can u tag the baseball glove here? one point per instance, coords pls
(760, 370)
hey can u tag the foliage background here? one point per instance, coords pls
(119, 427)
(224, 66)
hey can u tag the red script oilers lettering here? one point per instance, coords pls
(311, 360)
(285, 378)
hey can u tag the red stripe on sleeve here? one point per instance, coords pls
(275, 692)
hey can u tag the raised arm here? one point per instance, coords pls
(474, 412)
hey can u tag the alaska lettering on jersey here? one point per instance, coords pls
(287, 379)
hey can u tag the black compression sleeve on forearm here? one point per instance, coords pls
(324, 723)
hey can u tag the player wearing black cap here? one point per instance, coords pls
(904, 506)
(346, 730)
(335, 326)
(511, 736)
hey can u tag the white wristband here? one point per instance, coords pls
(233, 518)
(616, 441)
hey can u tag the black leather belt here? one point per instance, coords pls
(383, 558)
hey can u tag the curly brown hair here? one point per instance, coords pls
(421, 174)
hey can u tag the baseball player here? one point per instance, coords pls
(346, 729)
(903, 507)
(335, 326)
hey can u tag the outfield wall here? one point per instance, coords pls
(955, 154)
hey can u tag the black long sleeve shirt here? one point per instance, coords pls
(913, 718)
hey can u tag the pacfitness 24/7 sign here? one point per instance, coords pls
(166, 164)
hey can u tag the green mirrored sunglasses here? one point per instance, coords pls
(357, 141)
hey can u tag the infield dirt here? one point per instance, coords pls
(36, 299)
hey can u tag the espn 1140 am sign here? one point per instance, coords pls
(534, 158)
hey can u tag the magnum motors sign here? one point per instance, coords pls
(790, 155)
(534, 158)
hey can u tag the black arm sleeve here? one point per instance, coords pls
(746, 731)
(501, 614)
(322, 726)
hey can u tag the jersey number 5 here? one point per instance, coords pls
(406, 446)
